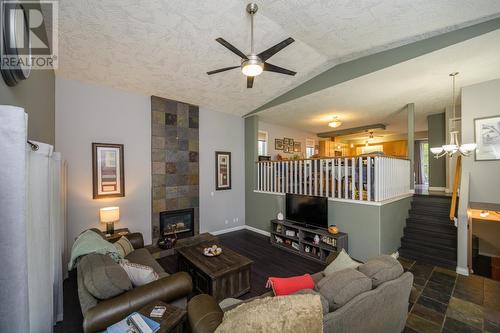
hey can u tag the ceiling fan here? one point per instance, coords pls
(253, 64)
(372, 137)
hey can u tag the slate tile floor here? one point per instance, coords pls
(443, 301)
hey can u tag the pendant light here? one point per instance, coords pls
(454, 146)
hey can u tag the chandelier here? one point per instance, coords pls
(454, 146)
(335, 122)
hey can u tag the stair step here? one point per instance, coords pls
(430, 240)
(432, 199)
(432, 207)
(435, 249)
(429, 227)
(410, 254)
(429, 212)
(431, 220)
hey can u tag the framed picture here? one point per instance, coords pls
(296, 147)
(222, 170)
(487, 136)
(291, 142)
(286, 149)
(278, 144)
(108, 177)
(286, 142)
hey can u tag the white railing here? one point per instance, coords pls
(361, 178)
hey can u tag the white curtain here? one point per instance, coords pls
(13, 265)
(40, 216)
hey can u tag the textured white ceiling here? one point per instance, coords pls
(380, 97)
(164, 48)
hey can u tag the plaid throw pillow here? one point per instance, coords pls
(123, 246)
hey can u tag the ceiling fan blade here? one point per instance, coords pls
(222, 70)
(231, 47)
(275, 49)
(250, 81)
(273, 68)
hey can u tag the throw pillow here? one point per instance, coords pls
(293, 313)
(139, 274)
(342, 261)
(342, 286)
(287, 286)
(123, 246)
(102, 277)
(381, 269)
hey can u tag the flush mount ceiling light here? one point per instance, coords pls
(335, 122)
(254, 64)
(454, 146)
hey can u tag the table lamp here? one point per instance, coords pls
(109, 215)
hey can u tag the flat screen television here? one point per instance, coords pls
(307, 209)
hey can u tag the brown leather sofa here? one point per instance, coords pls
(100, 313)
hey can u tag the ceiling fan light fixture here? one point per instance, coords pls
(252, 66)
(335, 122)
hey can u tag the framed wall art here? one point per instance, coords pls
(487, 138)
(222, 170)
(278, 144)
(297, 147)
(108, 177)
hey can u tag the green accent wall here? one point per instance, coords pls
(37, 96)
(437, 137)
(372, 230)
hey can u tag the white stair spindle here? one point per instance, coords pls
(368, 178)
(360, 184)
(346, 183)
(353, 178)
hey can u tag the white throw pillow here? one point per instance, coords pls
(139, 275)
(395, 255)
(342, 261)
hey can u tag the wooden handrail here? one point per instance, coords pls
(456, 182)
(336, 157)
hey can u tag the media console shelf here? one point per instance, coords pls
(299, 239)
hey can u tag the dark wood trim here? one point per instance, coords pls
(95, 145)
(217, 188)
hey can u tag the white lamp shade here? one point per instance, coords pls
(109, 214)
(448, 148)
(436, 150)
(468, 146)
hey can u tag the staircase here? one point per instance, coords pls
(429, 235)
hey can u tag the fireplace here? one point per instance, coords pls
(182, 219)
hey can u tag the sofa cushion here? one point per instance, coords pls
(342, 261)
(123, 246)
(143, 257)
(324, 301)
(102, 277)
(381, 269)
(292, 313)
(139, 274)
(341, 286)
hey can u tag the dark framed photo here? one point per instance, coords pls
(222, 170)
(291, 142)
(487, 138)
(286, 142)
(297, 147)
(286, 149)
(278, 144)
(108, 176)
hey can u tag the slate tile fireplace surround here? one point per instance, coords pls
(174, 161)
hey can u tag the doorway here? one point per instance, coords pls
(421, 163)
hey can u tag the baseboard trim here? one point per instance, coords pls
(262, 232)
(224, 231)
(462, 271)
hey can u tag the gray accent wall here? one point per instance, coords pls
(37, 96)
(436, 126)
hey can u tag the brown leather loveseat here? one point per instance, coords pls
(99, 277)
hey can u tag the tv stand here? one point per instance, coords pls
(299, 239)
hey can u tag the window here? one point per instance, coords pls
(262, 143)
(309, 147)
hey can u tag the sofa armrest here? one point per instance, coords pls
(204, 314)
(135, 238)
(111, 311)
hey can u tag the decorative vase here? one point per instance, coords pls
(279, 200)
(316, 239)
(280, 216)
(333, 229)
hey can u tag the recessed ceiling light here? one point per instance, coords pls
(335, 122)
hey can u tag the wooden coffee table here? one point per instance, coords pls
(227, 275)
(172, 320)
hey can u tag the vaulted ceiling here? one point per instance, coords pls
(164, 48)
